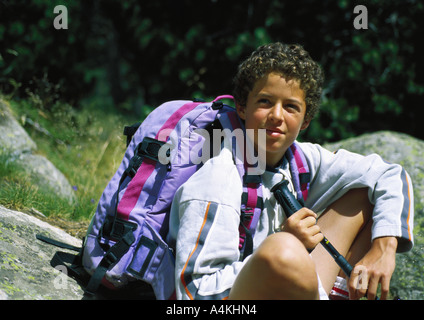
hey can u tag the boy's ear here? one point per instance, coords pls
(241, 111)
(305, 124)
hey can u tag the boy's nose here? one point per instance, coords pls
(276, 113)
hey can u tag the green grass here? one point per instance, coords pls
(18, 192)
(86, 145)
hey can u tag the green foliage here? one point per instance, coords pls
(324, 125)
(31, 51)
(376, 69)
(132, 55)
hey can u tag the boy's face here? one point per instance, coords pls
(278, 107)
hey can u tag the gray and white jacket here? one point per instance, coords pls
(205, 214)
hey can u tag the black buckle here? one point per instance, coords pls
(216, 105)
(246, 214)
(304, 177)
(121, 227)
(248, 179)
(135, 163)
(149, 148)
(116, 228)
(110, 258)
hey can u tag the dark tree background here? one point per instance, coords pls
(132, 55)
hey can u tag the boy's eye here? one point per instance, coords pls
(293, 107)
(264, 101)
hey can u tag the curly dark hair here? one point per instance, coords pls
(292, 61)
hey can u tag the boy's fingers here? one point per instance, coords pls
(358, 282)
(304, 213)
(385, 286)
(314, 238)
(372, 288)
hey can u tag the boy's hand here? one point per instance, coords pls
(376, 267)
(303, 225)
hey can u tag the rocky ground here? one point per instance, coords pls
(25, 270)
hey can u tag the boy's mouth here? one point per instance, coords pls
(274, 132)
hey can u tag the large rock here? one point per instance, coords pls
(407, 281)
(25, 271)
(19, 149)
(45, 175)
(13, 138)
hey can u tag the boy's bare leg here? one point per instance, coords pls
(280, 268)
(347, 225)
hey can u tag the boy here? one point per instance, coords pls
(363, 205)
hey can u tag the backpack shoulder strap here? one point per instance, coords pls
(252, 196)
(301, 175)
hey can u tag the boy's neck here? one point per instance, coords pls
(274, 168)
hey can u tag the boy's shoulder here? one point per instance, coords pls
(216, 181)
(314, 150)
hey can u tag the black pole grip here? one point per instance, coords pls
(290, 205)
(285, 198)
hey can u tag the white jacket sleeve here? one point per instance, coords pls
(389, 189)
(205, 218)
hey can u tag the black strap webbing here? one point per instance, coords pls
(57, 243)
(248, 244)
(129, 131)
(112, 256)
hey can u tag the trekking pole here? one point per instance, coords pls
(290, 205)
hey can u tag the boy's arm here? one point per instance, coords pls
(207, 251)
(389, 189)
(204, 222)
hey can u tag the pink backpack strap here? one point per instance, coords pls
(252, 196)
(300, 171)
(225, 96)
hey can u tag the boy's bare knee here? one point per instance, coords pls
(280, 250)
(287, 266)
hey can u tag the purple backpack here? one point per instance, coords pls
(125, 241)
